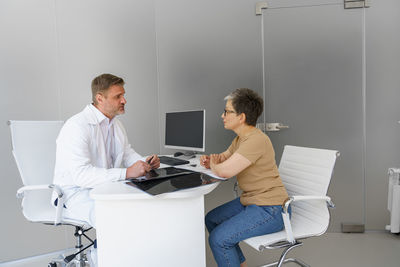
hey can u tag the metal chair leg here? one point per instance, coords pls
(298, 261)
(286, 251)
(282, 259)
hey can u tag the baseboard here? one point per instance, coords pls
(353, 228)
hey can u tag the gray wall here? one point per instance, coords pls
(174, 55)
(382, 106)
(204, 52)
(28, 85)
(49, 53)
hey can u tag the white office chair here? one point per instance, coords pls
(34, 148)
(306, 174)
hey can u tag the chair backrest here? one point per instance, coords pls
(34, 149)
(307, 171)
(304, 172)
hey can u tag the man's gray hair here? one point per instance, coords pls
(102, 83)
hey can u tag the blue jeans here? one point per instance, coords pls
(232, 222)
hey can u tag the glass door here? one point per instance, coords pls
(313, 73)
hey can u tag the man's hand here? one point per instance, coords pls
(205, 161)
(139, 168)
(153, 161)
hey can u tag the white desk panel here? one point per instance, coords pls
(138, 229)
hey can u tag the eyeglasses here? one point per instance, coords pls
(228, 111)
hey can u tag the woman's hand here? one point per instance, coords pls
(215, 159)
(205, 161)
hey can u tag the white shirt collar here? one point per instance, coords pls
(101, 118)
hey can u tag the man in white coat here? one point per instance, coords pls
(93, 148)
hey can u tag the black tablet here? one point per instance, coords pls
(162, 173)
(160, 186)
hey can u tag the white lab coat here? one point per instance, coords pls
(81, 161)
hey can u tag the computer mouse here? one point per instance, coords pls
(177, 154)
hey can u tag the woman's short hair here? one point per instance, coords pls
(102, 83)
(247, 101)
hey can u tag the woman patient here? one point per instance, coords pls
(251, 158)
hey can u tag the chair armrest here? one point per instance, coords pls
(285, 214)
(22, 190)
(302, 198)
(56, 188)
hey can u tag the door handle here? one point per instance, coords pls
(275, 127)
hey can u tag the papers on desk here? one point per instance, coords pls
(197, 168)
(210, 173)
(201, 169)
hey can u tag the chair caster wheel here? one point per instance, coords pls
(52, 264)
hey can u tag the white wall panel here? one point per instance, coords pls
(115, 37)
(28, 87)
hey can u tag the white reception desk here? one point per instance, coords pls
(137, 229)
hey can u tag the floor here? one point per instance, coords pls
(332, 249)
(372, 249)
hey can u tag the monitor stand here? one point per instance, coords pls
(187, 155)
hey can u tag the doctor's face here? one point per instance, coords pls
(112, 102)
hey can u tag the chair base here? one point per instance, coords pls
(77, 259)
(75, 262)
(298, 261)
(282, 259)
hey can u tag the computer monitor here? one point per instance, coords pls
(185, 130)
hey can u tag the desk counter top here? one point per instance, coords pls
(120, 191)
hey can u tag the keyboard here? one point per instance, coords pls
(172, 161)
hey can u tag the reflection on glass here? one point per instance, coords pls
(159, 186)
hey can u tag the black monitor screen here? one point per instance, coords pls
(185, 130)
